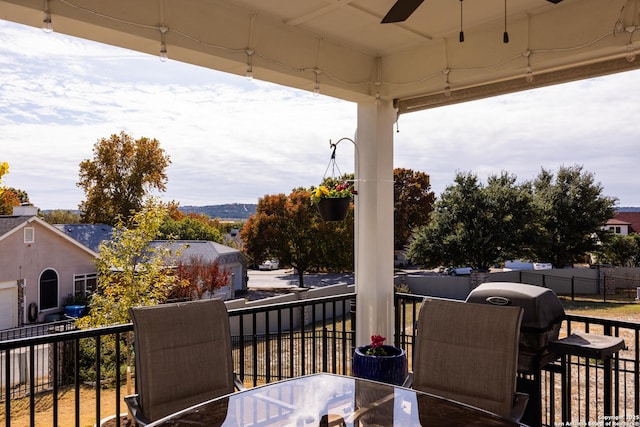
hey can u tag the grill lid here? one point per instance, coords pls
(542, 308)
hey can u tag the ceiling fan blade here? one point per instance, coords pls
(401, 10)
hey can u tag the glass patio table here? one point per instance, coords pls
(331, 400)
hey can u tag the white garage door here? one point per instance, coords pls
(8, 305)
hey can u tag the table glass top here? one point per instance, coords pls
(331, 400)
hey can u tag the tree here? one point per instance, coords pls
(60, 216)
(10, 197)
(476, 225)
(620, 250)
(572, 211)
(198, 277)
(191, 227)
(122, 172)
(289, 228)
(412, 204)
(130, 271)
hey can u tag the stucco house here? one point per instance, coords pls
(228, 258)
(40, 266)
(624, 222)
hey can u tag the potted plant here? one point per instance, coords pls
(379, 362)
(333, 199)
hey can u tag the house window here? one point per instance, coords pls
(616, 230)
(85, 284)
(29, 235)
(48, 290)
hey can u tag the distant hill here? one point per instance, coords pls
(233, 211)
(628, 209)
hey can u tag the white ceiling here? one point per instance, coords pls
(341, 46)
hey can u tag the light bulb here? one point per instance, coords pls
(631, 53)
(316, 90)
(163, 52)
(47, 25)
(447, 90)
(529, 75)
(249, 73)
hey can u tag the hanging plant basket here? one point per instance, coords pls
(334, 208)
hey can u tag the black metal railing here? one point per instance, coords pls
(86, 369)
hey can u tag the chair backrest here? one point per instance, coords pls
(183, 355)
(469, 353)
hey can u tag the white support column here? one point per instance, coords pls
(374, 222)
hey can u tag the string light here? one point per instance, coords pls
(316, 88)
(528, 76)
(47, 24)
(249, 74)
(447, 88)
(631, 53)
(618, 28)
(163, 45)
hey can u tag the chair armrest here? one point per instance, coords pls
(408, 382)
(135, 410)
(519, 405)
(237, 382)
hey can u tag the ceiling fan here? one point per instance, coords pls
(402, 9)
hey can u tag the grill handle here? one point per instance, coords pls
(498, 300)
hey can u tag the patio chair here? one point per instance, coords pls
(469, 353)
(183, 357)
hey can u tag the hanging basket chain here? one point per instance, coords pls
(332, 164)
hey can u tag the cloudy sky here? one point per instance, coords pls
(232, 140)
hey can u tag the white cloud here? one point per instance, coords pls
(233, 140)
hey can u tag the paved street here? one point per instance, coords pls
(285, 278)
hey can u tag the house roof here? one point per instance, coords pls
(9, 224)
(631, 218)
(90, 235)
(615, 221)
(206, 250)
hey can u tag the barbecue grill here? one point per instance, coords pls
(541, 321)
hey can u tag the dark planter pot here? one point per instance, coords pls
(334, 209)
(391, 369)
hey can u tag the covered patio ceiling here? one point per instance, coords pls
(340, 48)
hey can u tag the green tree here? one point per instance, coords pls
(191, 227)
(476, 225)
(289, 228)
(130, 271)
(122, 172)
(412, 204)
(620, 250)
(572, 210)
(60, 216)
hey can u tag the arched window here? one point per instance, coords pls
(48, 290)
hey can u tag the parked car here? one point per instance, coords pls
(458, 271)
(526, 265)
(542, 266)
(271, 264)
